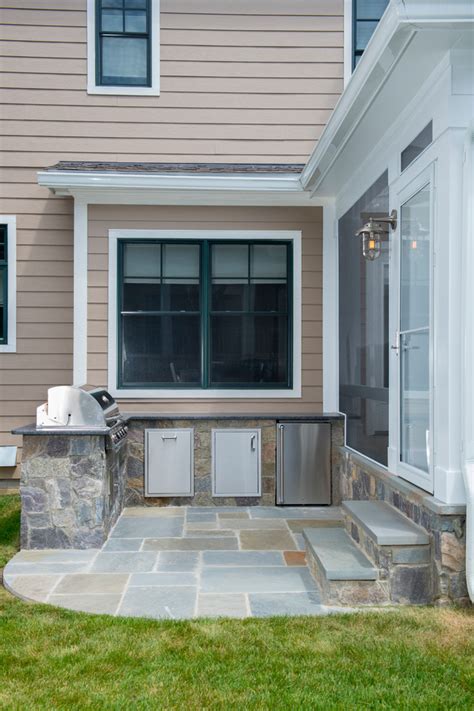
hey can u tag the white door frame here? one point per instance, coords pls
(404, 188)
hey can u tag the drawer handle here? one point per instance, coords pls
(169, 436)
(252, 443)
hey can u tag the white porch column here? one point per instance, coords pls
(80, 293)
(330, 310)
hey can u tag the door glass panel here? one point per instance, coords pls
(415, 266)
(415, 240)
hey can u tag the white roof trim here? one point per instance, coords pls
(93, 186)
(400, 22)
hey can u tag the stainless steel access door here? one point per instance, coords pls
(304, 463)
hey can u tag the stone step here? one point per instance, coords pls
(337, 555)
(384, 524)
(346, 576)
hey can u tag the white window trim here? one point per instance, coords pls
(94, 88)
(198, 393)
(10, 221)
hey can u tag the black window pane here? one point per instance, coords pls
(112, 3)
(268, 261)
(161, 350)
(268, 296)
(137, 4)
(229, 296)
(3, 244)
(249, 350)
(181, 260)
(364, 31)
(142, 270)
(370, 9)
(141, 296)
(2, 302)
(135, 21)
(142, 260)
(180, 295)
(230, 260)
(417, 146)
(124, 60)
(112, 21)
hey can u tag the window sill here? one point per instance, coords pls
(192, 394)
(7, 348)
(124, 90)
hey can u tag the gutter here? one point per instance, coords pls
(62, 180)
(178, 188)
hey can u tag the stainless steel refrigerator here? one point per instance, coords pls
(304, 463)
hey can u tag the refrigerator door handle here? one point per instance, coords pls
(280, 497)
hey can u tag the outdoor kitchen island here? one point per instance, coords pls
(75, 482)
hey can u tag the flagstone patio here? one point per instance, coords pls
(183, 562)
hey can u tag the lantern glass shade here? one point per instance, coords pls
(371, 246)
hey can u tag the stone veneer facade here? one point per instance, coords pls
(359, 479)
(72, 490)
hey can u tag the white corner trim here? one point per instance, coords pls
(330, 310)
(10, 221)
(80, 294)
(154, 89)
(150, 394)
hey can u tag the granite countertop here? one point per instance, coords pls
(278, 416)
(32, 429)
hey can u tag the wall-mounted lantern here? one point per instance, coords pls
(373, 232)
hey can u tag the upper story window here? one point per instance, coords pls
(7, 283)
(123, 47)
(123, 42)
(365, 18)
(205, 314)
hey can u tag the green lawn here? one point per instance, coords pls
(407, 659)
(9, 527)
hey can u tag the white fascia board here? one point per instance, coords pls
(109, 187)
(400, 22)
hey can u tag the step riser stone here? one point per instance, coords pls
(406, 569)
(347, 592)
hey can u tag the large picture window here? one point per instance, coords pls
(123, 42)
(364, 329)
(205, 314)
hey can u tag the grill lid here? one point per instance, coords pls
(85, 406)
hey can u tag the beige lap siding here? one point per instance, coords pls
(43, 356)
(242, 81)
(102, 218)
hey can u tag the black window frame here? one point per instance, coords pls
(206, 312)
(4, 270)
(100, 34)
(357, 53)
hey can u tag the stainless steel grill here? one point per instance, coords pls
(73, 409)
